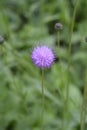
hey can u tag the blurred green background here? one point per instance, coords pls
(25, 24)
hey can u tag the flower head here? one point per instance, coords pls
(58, 26)
(1, 39)
(43, 56)
(86, 39)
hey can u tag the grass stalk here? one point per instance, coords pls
(69, 63)
(83, 111)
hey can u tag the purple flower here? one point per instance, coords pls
(43, 56)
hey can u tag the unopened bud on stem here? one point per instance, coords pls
(58, 26)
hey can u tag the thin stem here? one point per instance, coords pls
(83, 111)
(42, 100)
(58, 41)
(69, 49)
(69, 59)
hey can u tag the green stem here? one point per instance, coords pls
(58, 42)
(70, 43)
(83, 111)
(69, 59)
(42, 99)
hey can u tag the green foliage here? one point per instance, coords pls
(25, 24)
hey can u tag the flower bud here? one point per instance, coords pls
(86, 39)
(1, 40)
(58, 26)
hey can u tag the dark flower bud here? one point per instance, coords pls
(86, 39)
(1, 40)
(58, 26)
